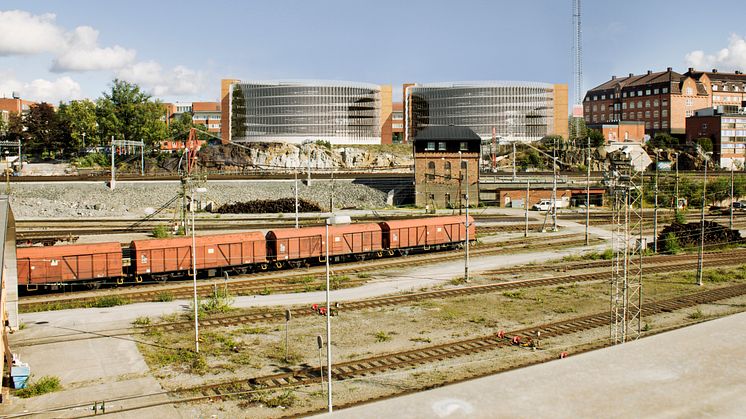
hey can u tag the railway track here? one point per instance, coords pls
(287, 281)
(366, 367)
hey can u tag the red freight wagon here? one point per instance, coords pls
(295, 244)
(71, 263)
(160, 256)
(425, 232)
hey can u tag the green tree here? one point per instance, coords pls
(79, 118)
(44, 132)
(597, 138)
(3, 125)
(663, 140)
(179, 126)
(579, 133)
(128, 113)
(705, 143)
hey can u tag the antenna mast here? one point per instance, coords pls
(577, 49)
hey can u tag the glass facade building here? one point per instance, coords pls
(522, 111)
(294, 111)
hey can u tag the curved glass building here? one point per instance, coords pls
(521, 111)
(293, 111)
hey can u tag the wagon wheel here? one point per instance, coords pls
(160, 278)
(379, 254)
(279, 264)
(360, 258)
(93, 285)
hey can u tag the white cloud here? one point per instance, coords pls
(62, 89)
(82, 53)
(24, 33)
(733, 57)
(177, 81)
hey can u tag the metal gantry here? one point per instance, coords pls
(626, 190)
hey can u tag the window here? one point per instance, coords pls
(664, 90)
(624, 115)
(647, 125)
(639, 115)
(725, 88)
(463, 165)
(463, 146)
(624, 105)
(447, 170)
(632, 105)
(442, 145)
(431, 169)
(624, 94)
(655, 103)
(664, 113)
(631, 94)
(655, 125)
(647, 92)
(430, 147)
(603, 97)
(714, 87)
(689, 91)
(603, 116)
(595, 97)
(688, 102)
(656, 91)
(655, 114)
(639, 93)
(664, 103)
(664, 124)
(639, 104)
(595, 108)
(647, 103)
(735, 88)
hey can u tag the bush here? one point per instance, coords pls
(92, 160)
(382, 336)
(110, 301)
(671, 244)
(46, 384)
(161, 232)
(705, 143)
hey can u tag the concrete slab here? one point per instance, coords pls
(699, 371)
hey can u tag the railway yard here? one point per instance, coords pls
(404, 319)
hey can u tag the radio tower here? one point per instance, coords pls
(577, 49)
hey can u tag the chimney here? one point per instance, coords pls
(669, 69)
(650, 72)
(714, 70)
(630, 74)
(738, 72)
(613, 77)
(691, 70)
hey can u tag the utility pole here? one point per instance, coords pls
(655, 209)
(700, 258)
(525, 208)
(460, 179)
(676, 190)
(554, 187)
(730, 223)
(588, 193)
(112, 185)
(466, 254)
(513, 161)
(295, 173)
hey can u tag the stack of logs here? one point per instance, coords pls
(689, 235)
(268, 207)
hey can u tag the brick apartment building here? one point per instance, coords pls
(203, 113)
(726, 127)
(14, 105)
(442, 157)
(661, 100)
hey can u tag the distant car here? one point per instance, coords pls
(543, 205)
(738, 205)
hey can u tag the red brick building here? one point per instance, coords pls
(622, 131)
(726, 127)
(446, 160)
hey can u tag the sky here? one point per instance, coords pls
(179, 50)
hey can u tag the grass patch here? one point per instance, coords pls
(301, 279)
(164, 297)
(696, 315)
(363, 275)
(44, 385)
(459, 280)
(272, 400)
(607, 254)
(161, 232)
(514, 295)
(142, 321)
(183, 359)
(110, 301)
(421, 340)
(382, 336)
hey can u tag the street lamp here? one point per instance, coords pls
(702, 230)
(194, 268)
(333, 220)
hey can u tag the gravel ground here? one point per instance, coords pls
(131, 199)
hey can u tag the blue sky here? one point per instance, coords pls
(61, 50)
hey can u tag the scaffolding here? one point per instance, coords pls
(626, 190)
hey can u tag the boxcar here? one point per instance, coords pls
(423, 233)
(297, 245)
(78, 263)
(237, 252)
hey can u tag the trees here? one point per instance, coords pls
(582, 130)
(44, 134)
(79, 118)
(663, 140)
(127, 113)
(705, 143)
(597, 138)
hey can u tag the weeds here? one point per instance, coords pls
(514, 295)
(142, 321)
(284, 399)
(696, 315)
(44, 385)
(382, 336)
(164, 297)
(421, 340)
(110, 301)
(161, 232)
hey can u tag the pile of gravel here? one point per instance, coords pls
(131, 199)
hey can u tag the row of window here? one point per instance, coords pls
(715, 88)
(655, 103)
(647, 92)
(462, 146)
(717, 98)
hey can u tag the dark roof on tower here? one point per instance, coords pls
(445, 133)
